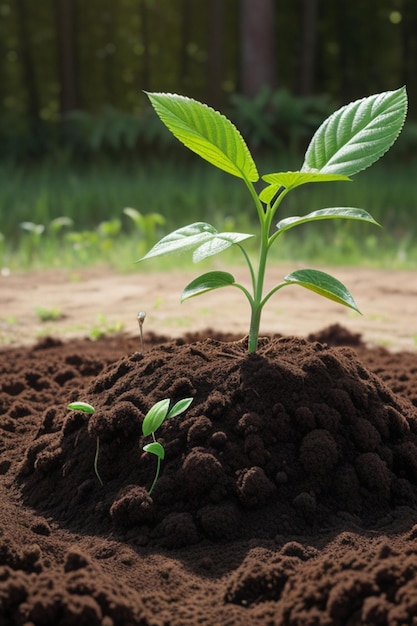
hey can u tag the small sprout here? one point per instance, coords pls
(103, 327)
(88, 408)
(81, 406)
(141, 318)
(154, 418)
(48, 315)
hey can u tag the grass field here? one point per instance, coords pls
(75, 217)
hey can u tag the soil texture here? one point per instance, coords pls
(287, 496)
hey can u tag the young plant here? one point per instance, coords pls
(154, 418)
(350, 140)
(48, 315)
(88, 408)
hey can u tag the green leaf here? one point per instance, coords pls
(324, 285)
(207, 282)
(200, 235)
(217, 244)
(291, 180)
(155, 448)
(347, 213)
(180, 407)
(154, 417)
(183, 239)
(81, 406)
(358, 134)
(206, 132)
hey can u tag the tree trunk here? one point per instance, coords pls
(257, 46)
(215, 62)
(67, 57)
(146, 58)
(308, 47)
(29, 77)
(186, 30)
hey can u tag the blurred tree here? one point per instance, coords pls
(67, 54)
(215, 53)
(99, 55)
(308, 47)
(257, 60)
(28, 67)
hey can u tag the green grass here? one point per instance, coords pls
(93, 199)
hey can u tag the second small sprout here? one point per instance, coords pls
(152, 421)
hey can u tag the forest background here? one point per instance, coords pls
(79, 141)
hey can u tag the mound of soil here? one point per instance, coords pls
(288, 494)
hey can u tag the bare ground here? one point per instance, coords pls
(102, 299)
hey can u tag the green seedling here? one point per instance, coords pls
(347, 142)
(88, 408)
(154, 418)
(146, 223)
(48, 315)
(103, 328)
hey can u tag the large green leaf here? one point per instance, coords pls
(182, 239)
(200, 235)
(217, 244)
(207, 282)
(154, 417)
(346, 213)
(290, 180)
(206, 132)
(358, 134)
(324, 285)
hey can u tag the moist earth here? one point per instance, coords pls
(288, 493)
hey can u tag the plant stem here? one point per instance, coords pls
(96, 462)
(257, 304)
(158, 467)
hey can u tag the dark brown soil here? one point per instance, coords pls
(288, 494)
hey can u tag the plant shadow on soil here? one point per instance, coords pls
(288, 494)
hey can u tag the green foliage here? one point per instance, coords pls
(48, 315)
(71, 203)
(147, 224)
(278, 120)
(103, 328)
(153, 420)
(350, 140)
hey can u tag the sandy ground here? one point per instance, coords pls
(100, 300)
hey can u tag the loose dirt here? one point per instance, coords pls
(288, 495)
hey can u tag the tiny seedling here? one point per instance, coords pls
(154, 418)
(141, 318)
(88, 408)
(48, 315)
(347, 142)
(103, 327)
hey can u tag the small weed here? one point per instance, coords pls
(103, 327)
(48, 315)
